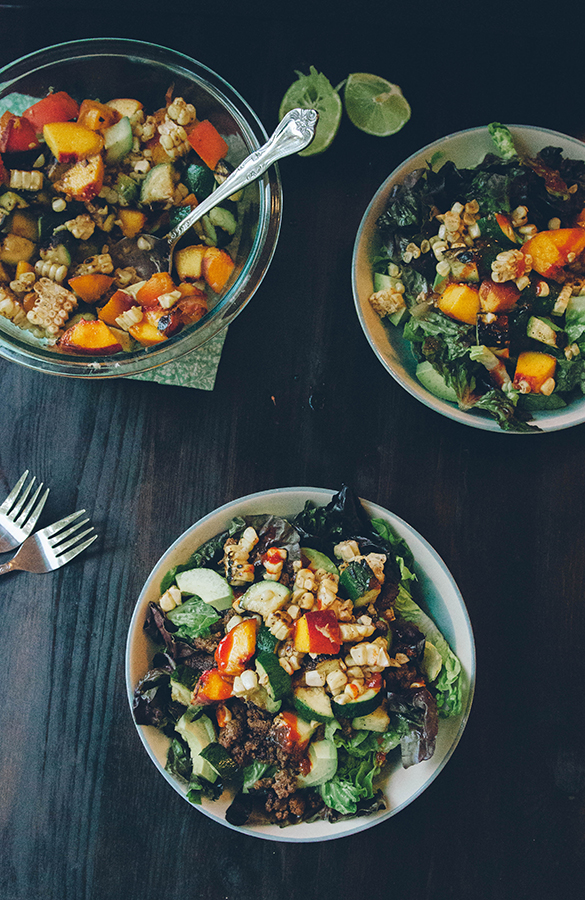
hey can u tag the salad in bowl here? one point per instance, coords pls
(477, 276)
(286, 672)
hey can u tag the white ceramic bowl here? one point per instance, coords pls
(440, 596)
(466, 149)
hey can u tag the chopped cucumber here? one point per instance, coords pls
(159, 184)
(220, 760)
(118, 141)
(365, 703)
(272, 676)
(378, 720)
(200, 180)
(207, 584)
(359, 582)
(264, 597)
(313, 704)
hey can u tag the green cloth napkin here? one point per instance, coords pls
(196, 369)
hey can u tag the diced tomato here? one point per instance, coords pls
(57, 107)
(237, 647)
(16, 134)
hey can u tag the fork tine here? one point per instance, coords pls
(57, 539)
(59, 548)
(57, 526)
(21, 500)
(12, 496)
(67, 557)
(29, 515)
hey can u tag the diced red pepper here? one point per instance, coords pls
(16, 134)
(318, 632)
(212, 687)
(57, 107)
(4, 176)
(207, 142)
(237, 647)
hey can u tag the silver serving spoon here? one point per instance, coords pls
(149, 254)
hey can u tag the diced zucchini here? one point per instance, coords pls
(58, 254)
(10, 200)
(220, 760)
(224, 219)
(159, 184)
(313, 704)
(377, 720)
(24, 223)
(498, 227)
(127, 189)
(200, 180)
(541, 331)
(260, 697)
(359, 582)
(365, 704)
(264, 597)
(272, 676)
(208, 585)
(118, 140)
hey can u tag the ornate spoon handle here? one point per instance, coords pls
(294, 133)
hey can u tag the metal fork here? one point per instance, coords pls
(51, 547)
(17, 517)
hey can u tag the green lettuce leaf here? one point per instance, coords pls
(193, 618)
(448, 684)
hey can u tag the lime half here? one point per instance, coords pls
(375, 105)
(314, 91)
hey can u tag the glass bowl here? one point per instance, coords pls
(466, 149)
(435, 589)
(103, 68)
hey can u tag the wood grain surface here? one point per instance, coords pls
(300, 399)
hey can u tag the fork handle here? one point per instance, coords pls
(8, 567)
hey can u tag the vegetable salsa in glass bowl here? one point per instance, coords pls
(107, 139)
(300, 664)
(469, 277)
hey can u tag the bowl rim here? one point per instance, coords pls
(280, 498)
(254, 268)
(547, 421)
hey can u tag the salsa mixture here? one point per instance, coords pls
(291, 660)
(77, 178)
(484, 270)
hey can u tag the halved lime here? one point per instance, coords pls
(315, 91)
(375, 105)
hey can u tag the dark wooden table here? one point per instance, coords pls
(300, 399)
